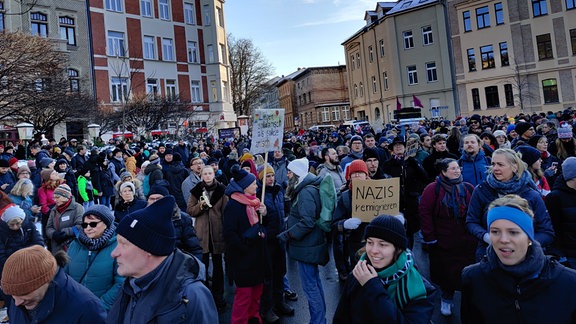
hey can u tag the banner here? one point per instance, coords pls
(411, 148)
(226, 133)
(371, 198)
(267, 130)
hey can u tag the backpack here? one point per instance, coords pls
(328, 200)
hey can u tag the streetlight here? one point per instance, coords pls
(94, 131)
(25, 131)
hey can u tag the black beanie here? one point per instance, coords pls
(369, 153)
(522, 127)
(158, 189)
(529, 154)
(533, 141)
(389, 229)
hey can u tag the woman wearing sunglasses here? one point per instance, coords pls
(90, 261)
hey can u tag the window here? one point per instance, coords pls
(114, 5)
(74, 80)
(370, 54)
(355, 91)
(346, 113)
(152, 88)
(225, 91)
(223, 54)
(192, 52)
(67, 30)
(499, 13)
(214, 91)
(509, 95)
(164, 9)
(431, 73)
(210, 53)
(539, 8)
(335, 113)
(1, 16)
(570, 4)
(381, 43)
(167, 49)
(467, 21)
(146, 8)
(325, 114)
(487, 55)
(374, 85)
(39, 24)
(471, 60)
(361, 86)
(385, 77)
(206, 10)
(492, 99)
(412, 75)
(149, 52)
(352, 61)
(476, 99)
(427, 35)
(550, 89)
(171, 89)
(408, 39)
(573, 40)
(504, 54)
(115, 43)
(196, 94)
(544, 43)
(43, 84)
(358, 60)
(483, 17)
(220, 16)
(189, 13)
(119, 89)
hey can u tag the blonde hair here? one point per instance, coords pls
(23, 188)
(514, 158)
(513, 201)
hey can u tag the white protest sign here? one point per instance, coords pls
(371, 198)
(267, 130)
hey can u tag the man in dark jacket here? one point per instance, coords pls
(175, 173)
(439, 152)
(148, 258)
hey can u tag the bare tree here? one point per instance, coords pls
(523, 93)
(250, 71)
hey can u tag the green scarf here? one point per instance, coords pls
(402, 280)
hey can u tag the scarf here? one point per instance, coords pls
(512, 186)
(99, 243)
(251, 202)
(455, 197)
(544, 155)
(402, 280)
(61, 209)
(528, 269)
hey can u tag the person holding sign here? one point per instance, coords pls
(385, 286)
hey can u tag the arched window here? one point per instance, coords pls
(74, 80)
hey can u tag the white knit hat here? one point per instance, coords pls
(299, 167)
(12, 213)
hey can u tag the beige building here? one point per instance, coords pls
(401, 52)
(513, 56)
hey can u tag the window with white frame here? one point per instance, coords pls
(220, 16)
(171, 89)
(352, 61)
(210, 49)
(214, 91)
(427, 38)
(189, 13)
(192, 52)
(196, 94)
(385, 77)
(412, 74)
(114, 5)
(355, 91)
(167, 49)
(206, 11)
(74, 80)
(336, 113)
(346, 113)
(408, 39)
(381, 43)
(116, 43)
(152, 88)
(370, 54)
(225, 91)
(164, 9)
(149, 47)
(374, 85)
(68, 30)
(361, 89)
(325, 114)
(358, 60)
(39, 24)
(119, 87)
(431, 73)
(223, 54)
(146, 8)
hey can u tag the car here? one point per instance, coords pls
(319, 128)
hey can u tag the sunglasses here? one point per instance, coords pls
(91, 224)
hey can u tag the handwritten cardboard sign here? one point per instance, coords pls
(371, 198)
(267, 130)
(411, 148)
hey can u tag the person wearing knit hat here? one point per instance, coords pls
(532, 157)
(13, 163)
(525, 131)
(23, 172)
(64, 219)
(356, 151)
(371, 159)
(42, 293)
(7, 177)
(299, 167)
(268, 169)
(502, 139)
(564, 131)
(569, 168)
(385, 275)
(146, 252)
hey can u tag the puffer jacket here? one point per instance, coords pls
(12, 241)
(474, 168)
(561, 204)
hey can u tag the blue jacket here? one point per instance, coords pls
(8, 178)
(100, 276)
(122, 209)
(280, 171)
(175, 173)
(12, 241)
(175, 294)
(474, 169)
(66, 301)
(25, 204)
(274, 219)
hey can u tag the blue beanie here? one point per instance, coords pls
(102, 212)
(515, 215)
(151, 228)
(529, 154)
(241, 177)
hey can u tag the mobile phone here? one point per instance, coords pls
(554, 164)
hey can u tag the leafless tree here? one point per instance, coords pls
(523, 89)
(250, 71)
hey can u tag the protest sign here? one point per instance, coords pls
(267, 130)
(371, 198)
(411, 148)
(226, 133)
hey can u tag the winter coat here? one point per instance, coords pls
(429, 163)
(139, 194)
(97, 269)
(25, 203)
(12, 241)
(130, 164)
(65, 221)
(70, 179)
(85, 189)
(349, 158)
(474, 168)
(274, 219)
(186, 239)
(209, 227)
(45, 199)
(122, 208)
(152, 174)
(561, 204)
(117, 165)
(103, 181)
(307, 241)
(175, 294)
(184, 153)
(66, 301)
(7, 178)
(337, 175)
(175, 174)
(77, 162)
(189, 183)
(280, 171)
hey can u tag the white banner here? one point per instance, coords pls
(267, 130)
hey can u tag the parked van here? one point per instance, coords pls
(319, 128)
(355, 123)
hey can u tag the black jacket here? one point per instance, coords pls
(561, 205)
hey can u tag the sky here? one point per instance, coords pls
(297, 33)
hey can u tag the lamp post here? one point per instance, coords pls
(25, 131)
(94, 131)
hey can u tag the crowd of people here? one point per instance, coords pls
(491, 199)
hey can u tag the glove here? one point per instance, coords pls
(283, 237)
(352, 223)
(59, 237)
(486, 238)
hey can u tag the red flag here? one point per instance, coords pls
(398, 105)
(417, 102)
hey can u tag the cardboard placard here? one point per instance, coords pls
(411, 148)
(267, 130)
(371, 198)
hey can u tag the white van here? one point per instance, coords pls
(355, 123)
(319, 128)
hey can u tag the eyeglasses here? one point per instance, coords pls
(474, 122)
(91, 224)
